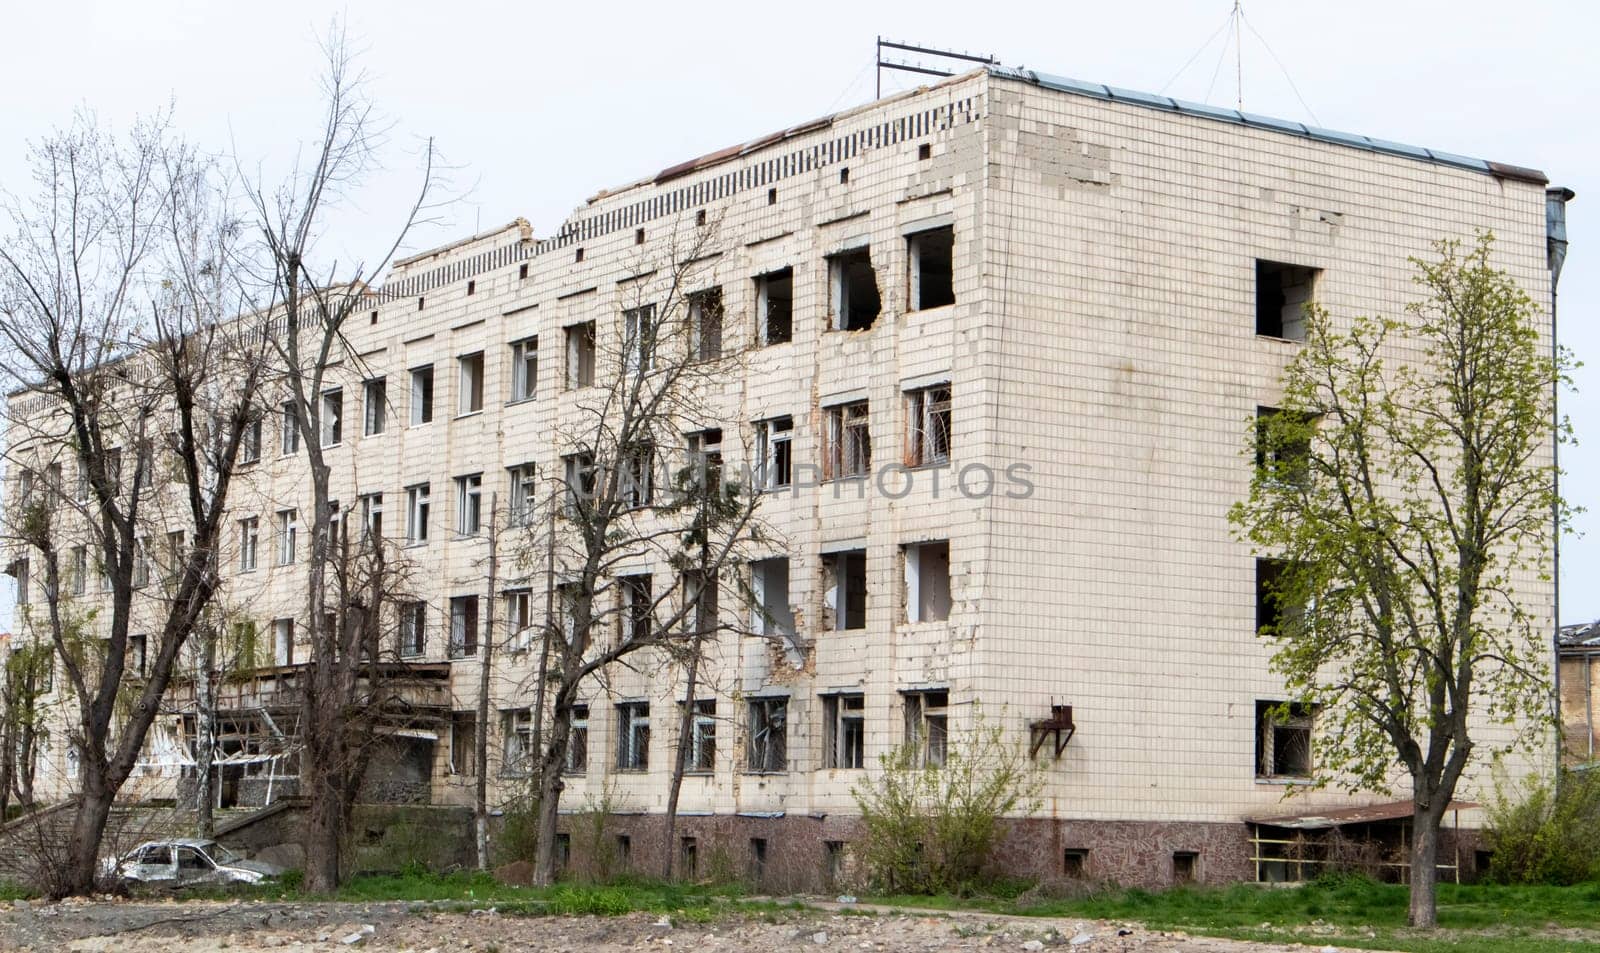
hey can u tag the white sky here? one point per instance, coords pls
(539, 105)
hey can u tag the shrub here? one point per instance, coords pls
(1547, 835)
(930, 829)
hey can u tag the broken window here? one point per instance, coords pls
(633, 736)
(580, 355)
(1270, 611)
(417, 506)
(463, 626)
(844, 731)
(249, 452)
(1282, 293)
(288, 533)
(845, 588)
(375, 393)
(332, 418)
(638, 465)
(639, 339)
(703, 736)
(469, 504)
(524, 494)
(1075, 863)
(1283, 740)
(928, 581)
(524, 368)
(519, 619)
(637, 605)
(1283, 445)
(775, 307)
(516, 739)
(283, 641)
(289, 441)
(469, 399)
(930, 270)
(770, 582)
(928, 724)
(372, 515)
(768, 748)
(463, 743)
(413, 629)
(928, 422)
(853, 285)
(848, 450)
(578, 741)
(1185, 866)
(249, 544)
(705, 458)
(137, 654)
(705, 324)
(421, 395)
(580, 476)
(774, 451)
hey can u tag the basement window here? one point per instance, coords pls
(928, 724)
(853, 290)
(580, 355)
(775, 306)
(1185, 866)
(1283, 739)
(1282, 293)
(928, 581)
(769, 580)
(931, 270)
(1075, 863)
(844, 730)
(844, 582)
(688, 858)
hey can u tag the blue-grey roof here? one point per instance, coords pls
(1289, 127)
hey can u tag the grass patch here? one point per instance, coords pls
(1348, 911)
(10, 891)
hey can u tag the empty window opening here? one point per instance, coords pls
(1270, 610)
(1185, 866)
(1282, 293)
(705, 324)
(928, 426)
(580, 355)
(375, 393)
(413, 629)
(578, 741)
(563, 851)
(471, 387)
(703, 736)
(522, 271)
(639, 338)
(844, 731)
(848, 450)
(524, 368)
(770, 581)
(844, 175)
(1283, 445)
(417, 506)
(700, 217)
(578, 255)
(1075, 863)
(928, 724)
(845, 589)
(372, 319)
(624, 851)
(372, 515)
(421, 303)
(688, 858)
(422, 395)
(464, 743)
(768, 750)
(638, 605)
(853, 290)
(633, 736)
(332, 418)
(928, 581)
(930, 268)
(283, 641)
(463, 626)
(472, 287)
(774, 452)
(772, 196)
(758, 860)
(832, 862)
(1283, 740)
(638, 236)
(925, 151)
(775, 306)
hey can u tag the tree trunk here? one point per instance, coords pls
(324, 832)
(680, 764)
(550, 784)
(480, 754)
(205, 742)
(1424, 912)
(76, 878)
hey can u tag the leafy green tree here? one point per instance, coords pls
(1405, 492)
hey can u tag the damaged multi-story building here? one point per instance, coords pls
(1054, 306)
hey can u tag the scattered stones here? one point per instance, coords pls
(1033, 945)
(820, 937)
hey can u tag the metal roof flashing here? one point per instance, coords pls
(1077, 87)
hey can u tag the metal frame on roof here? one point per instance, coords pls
(1289, 127)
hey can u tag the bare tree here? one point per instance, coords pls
(116, 323)
(312, 299)
(654, 372)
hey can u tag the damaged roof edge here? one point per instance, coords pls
(1151, 101)
(519, 223)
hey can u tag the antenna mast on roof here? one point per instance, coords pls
(918, 67)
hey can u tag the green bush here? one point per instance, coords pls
(1550, 834)
(929, 829)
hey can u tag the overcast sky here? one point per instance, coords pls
(537, 106)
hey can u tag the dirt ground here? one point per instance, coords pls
(192, 927)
